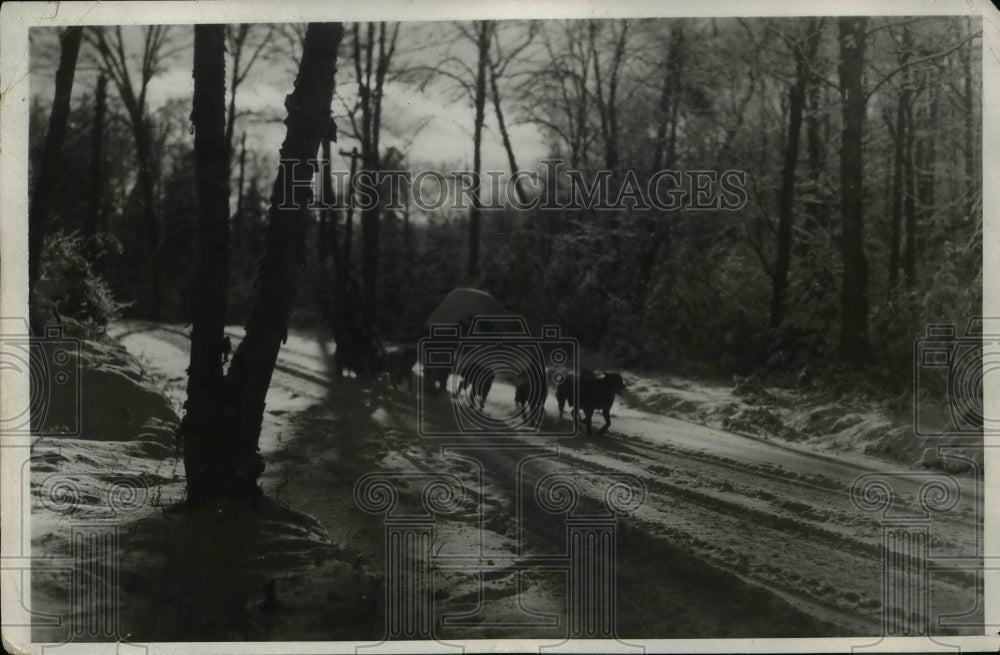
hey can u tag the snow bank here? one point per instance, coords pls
(812, 419)
(117, 400)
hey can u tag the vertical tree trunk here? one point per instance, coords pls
(328, 248)
(280, 275)
(970, 181)
(522, 196)
(371, 74)
(240, 39)
(924, 159)
(240, 218)
(666, 109)
(909, 198)
(95, 214)
(483, 29)
(611, 151)
(607, 105)
(326, 198)
(805, 51)
(854, 292)
(207, 456)
(329, 241)
(38, 212)
(898, 187)
(150, 217)
(664, 156)
(345, 259)
(816, 154)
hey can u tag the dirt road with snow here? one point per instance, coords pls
(735, 536)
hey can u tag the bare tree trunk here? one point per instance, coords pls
(664, 155)
(666, 109)
(816, 153)
(329, 250)
(371, 74)
(95, 215)
(483, 45)
(607, 105)
(522, 196)
(207, 454)
(41, 196)
(898, 186)
(326, 198)
(240, 218)
(151, 219)
(241, 34)
(854, 293)
(805, 52)
(909, 198)
(611, 150)
(280, 273)
(925, 161)
(345, 258)
(970, 181)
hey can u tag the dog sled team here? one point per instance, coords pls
(584, 394)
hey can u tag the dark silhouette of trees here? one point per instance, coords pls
(901, 151)
(482, 31)
(372, 58)
(607, 99)
(854, 289)
(95, 215)
(803, 52)
(238, 465)
(116, 62)
(39, 209)
(498, 64)
(206, 452)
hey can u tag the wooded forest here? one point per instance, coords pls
(858, 140)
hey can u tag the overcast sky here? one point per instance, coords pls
(443, 117)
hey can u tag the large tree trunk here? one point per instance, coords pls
(804, 54)
(280, 274)
(41, 196)
(854, 292)
(207, 455)
(483, 46)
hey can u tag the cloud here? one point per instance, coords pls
(174, 83)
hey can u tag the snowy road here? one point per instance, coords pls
(726, 517)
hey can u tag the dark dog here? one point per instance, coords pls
(479, 379)
(595, 393)
(522, 391)
(399, 361)
(435, 381)
(566, 391)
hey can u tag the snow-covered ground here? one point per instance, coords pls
(742, 532)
